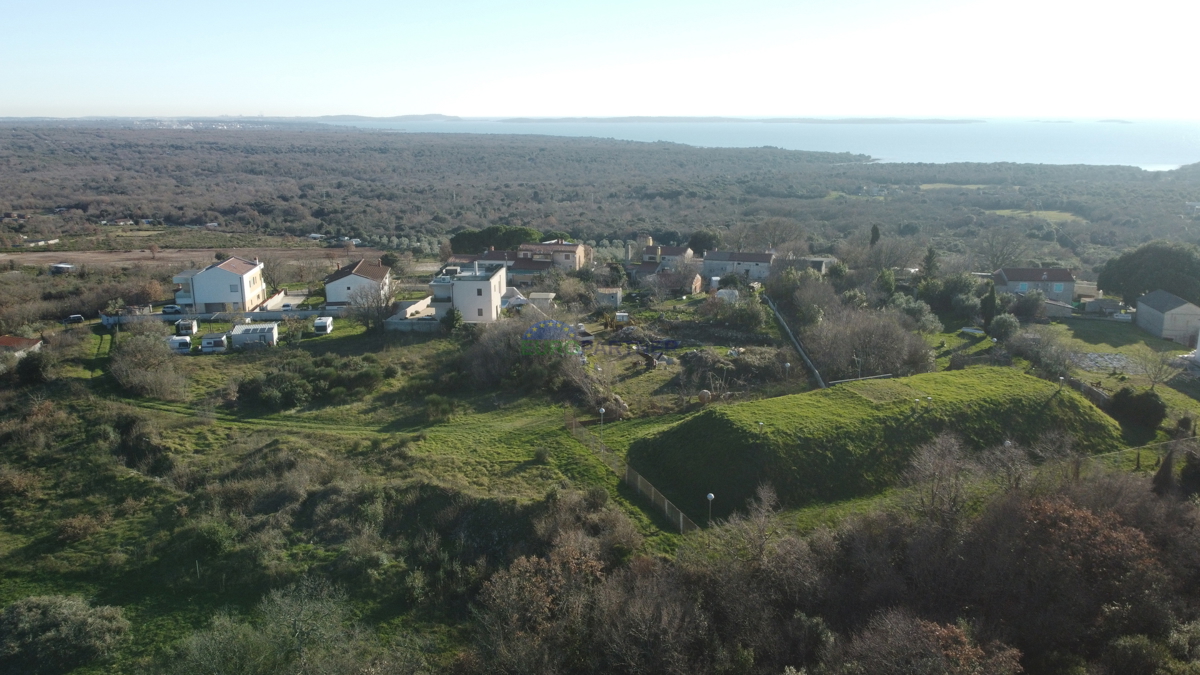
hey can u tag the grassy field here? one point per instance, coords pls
(1090, 335)
(853, 440)
(1052, 216)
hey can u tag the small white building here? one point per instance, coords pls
(1169, 317)
(232, 285)
(543, 301)
(186, 327)
(475, 291)
(342, 285)
(609, 297)
(752, 266)
(246, 335)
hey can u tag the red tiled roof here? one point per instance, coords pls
(549, 247)
(239, 266)
(17, 344)
(499, 255)
(1057, 274)
(373, 270)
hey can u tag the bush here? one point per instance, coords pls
(1135, 655)
(1029, 305)
(56, 634)
(34, 368)
(1145, 409)
(918, 311)
(965, 306)
(870, 343)
(144, 364)
(1004, 326)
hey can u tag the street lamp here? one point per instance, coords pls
(787, 370)
(710, 498)
(760, 427)
(1061, 381)
(602, 425)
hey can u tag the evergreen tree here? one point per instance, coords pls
(929, 267)
(874, 235)
(988, 307)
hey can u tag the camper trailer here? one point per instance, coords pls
(251, 335)
(180, 344)
(214, 343)
(323, 325)
(186, 327)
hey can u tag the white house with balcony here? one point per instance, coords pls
(341, 286)
(232, 285)
(474, 291)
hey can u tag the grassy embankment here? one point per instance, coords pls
(855, 439)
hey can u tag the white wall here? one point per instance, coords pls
(343, 289)
(241, 293)
(479, 301)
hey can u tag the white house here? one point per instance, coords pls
(474, 291)
(1169, 317)
(670, 257)
(341, 286)
(232, 285)
(752, 266)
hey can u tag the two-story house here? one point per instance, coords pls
(667, 257)
(752, 266)
(1057, 283)
(232, 285)
(564, 255)
(474, 291)
(342, 286)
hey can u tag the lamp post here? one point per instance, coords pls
(710, 498)
(760, 427)
(1061, 381)
(602, 425)
(787, 371)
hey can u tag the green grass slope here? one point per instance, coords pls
(854, 439)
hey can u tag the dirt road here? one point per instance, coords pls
(191, 257)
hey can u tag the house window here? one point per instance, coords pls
(1023, 287)
(233, 288)
(568, 256)
(478, 291)
(1058, 288)
(347, 288)
(479, 312)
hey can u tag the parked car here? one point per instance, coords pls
(74, 318)
(287, 306)
(172, 309)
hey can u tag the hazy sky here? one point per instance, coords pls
(991, 58)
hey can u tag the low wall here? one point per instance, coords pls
(412, 325)
(336, 312)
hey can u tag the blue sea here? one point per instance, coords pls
(1151, 145)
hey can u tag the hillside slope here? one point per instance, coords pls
(856, 438)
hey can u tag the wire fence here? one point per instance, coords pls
(631, 477)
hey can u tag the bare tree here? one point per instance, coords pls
(1158, 366)
(773, 233)
(370, 306)
(153, 248)
(1002, 247)
(273, 270)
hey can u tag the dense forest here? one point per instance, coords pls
(406, 191)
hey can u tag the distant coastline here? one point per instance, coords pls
(727, 120)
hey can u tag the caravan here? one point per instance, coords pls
(323, 325)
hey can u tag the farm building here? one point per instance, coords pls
(1169, 317)
(254, 334)
(341, 286)
(19, 346)
(608, 297)
(1057, 283)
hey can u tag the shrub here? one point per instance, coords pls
(144, 364)
(1145, 409)
(1004, 326)
(1029, 305)
(439, 408)
(1135, 655)
(965, 306)
(34, 368)
(55, 634)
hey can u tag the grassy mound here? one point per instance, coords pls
(855, 439)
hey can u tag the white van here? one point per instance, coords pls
(323, 325)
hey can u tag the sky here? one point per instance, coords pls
(1062, 59)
